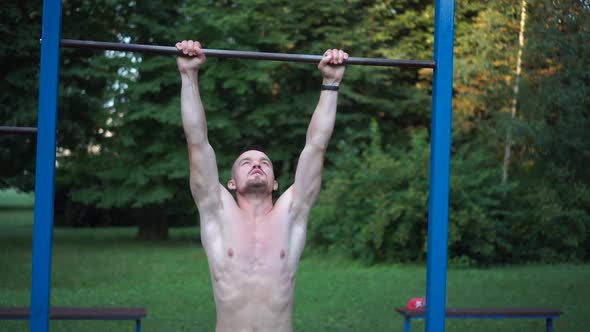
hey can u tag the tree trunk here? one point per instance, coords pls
(155, 224)
(507, 149)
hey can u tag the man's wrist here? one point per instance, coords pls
(190, 75)
(331, 82)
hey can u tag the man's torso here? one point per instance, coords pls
(253, 265)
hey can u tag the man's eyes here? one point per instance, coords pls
(247, 162)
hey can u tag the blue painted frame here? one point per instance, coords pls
(45, 169)
(440, 163)
(439, 166)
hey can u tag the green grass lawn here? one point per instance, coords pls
(108, 267)
(10, 198)
(16, 208)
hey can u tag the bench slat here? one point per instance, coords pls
(79, 313)
(485, 312)
(14, 313)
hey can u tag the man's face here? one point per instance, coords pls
(253, 172)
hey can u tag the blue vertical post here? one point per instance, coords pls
(45, 167)
(549, 324)
(440, 151)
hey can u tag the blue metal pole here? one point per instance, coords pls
(45, 168)
(440, 151)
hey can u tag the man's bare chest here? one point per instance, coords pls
(256, 246)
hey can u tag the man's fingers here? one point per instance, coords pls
(327, 58)
(198, 49)
(190, 46)
(330, 57)
(334, 57)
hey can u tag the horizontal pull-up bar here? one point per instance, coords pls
(171, 50)
(18, 130)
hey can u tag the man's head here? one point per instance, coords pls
(253, 172)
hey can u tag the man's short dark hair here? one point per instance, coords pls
(252, 147)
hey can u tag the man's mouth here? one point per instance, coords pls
(256, 172)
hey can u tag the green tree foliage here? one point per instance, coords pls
(543, 213)
(19, 32)
(85, 78)
(384, 190)
(554, 149)
(246, 102)
(122, 154)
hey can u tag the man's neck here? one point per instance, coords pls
(255, 205)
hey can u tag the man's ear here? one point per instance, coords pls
(231, 184)
(275, 186)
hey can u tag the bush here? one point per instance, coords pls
(375, 205)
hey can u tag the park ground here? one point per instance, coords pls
(110, 267)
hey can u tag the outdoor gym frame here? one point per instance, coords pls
(439, 162)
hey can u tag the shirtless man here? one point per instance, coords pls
(253, 247)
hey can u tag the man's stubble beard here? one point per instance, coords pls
(257, 185)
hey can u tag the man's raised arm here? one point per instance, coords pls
(308, 176)
(204, 177)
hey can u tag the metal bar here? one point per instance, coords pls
(18, 130)
(45, 169)
(549, 325)
(171, 50)
(440, 151)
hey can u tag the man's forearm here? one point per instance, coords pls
(193, 114)
(323, 120)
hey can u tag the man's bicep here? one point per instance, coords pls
(204, 176)
(308, 176)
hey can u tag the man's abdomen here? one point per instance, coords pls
(254, 303)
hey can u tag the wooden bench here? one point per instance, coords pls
(487, 313)
(76, 313)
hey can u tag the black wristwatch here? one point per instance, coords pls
(330, 87)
